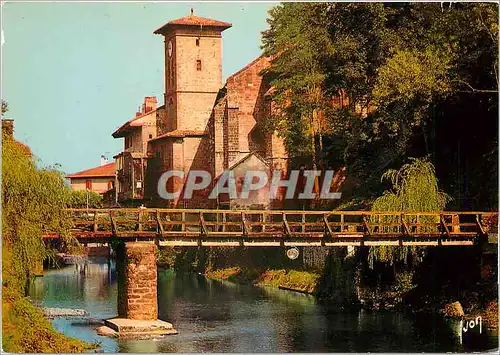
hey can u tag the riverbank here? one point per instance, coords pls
(308, 282)
(292, 280)
(26, 330)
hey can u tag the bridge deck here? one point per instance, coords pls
(196, 227)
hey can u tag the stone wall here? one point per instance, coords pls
(137, 281)
(246, 90)
(193, 77)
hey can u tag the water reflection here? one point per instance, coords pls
(214, 316)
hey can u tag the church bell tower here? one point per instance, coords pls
(193, 69)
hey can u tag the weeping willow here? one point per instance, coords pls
(414, 189)
(33, 201)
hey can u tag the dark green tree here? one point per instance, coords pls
(406, 78)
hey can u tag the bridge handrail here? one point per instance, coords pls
(309, 212)
(324, 227)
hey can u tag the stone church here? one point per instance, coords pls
(204, 124)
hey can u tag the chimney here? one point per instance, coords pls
(104, 160)
(149, 104)
(8, 127)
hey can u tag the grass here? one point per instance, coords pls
(223, 274)
(26, 330)
(302, 281)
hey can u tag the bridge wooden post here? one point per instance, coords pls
(455, 223)
(137, 281)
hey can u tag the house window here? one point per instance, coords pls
(88, 185)
(198, 65)
(150, 136)
(197, 42)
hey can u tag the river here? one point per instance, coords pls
(214, 316)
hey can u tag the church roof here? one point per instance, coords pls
(181, 133)
(193, 20)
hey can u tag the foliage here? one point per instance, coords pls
(166, 256)
(223, 274)
(388, 81)
(298, 73)
(414, 188)
(404, 282)
(410, 73)
(5, 107)
(25, 330)
(33, 202)
(303, 281)
(78, 199)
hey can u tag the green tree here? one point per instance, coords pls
(298, 74)
(33, 202)
(414, 188)
(398, 71)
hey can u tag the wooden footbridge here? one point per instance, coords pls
(267, 228)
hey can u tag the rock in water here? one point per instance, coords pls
(64, 312)
(453, 310)
(106, 331)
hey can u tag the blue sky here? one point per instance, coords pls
(74, 72)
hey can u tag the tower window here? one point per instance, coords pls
(197, 42)
(198, 65)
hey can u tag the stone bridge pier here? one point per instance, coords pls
(137, 281)
(137, 293)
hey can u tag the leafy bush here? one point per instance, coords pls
(25, 329)
(78, 199)
(404, 282)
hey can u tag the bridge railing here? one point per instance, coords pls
(272, 223)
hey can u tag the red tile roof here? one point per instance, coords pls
(179, 133)
(26, 150)
(194, 21)
(107, 170)
(133, 122)
(124, 128)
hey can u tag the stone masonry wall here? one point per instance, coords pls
(246, 91)
(137, 294)
(218, 133)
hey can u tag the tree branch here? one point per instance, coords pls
(474, 90)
